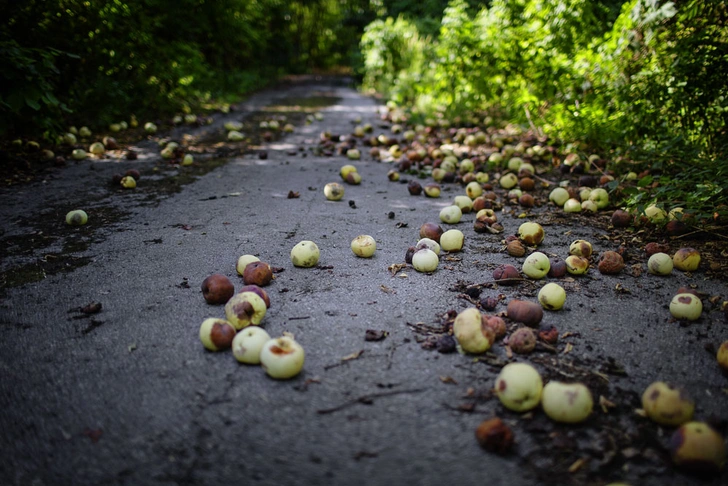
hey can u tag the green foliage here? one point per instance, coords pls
(645, 79)
(107, 59)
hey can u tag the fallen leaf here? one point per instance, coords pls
(293, 195)
(353, 355)
(448, 379)
(568, 348)
(396, 267)
(578, 464)
(606, 404)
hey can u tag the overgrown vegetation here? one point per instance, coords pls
(643, 82)
(92, 63)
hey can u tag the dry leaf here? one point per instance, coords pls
(354, 355)
(568, 348)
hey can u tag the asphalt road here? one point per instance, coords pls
(129, 396)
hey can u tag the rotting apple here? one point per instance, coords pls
(282, 358)
(451, 214)
(686, 259)
(363, 246)
(244, 309)
(473, 189)
(248, 343)
(576, 265)
(216, 334)
(353, 178)
(519, 387)
(610, 263)
(217, 289)
(589, 206)
(452, 240)
(243, 261)
(305, 254)
(76, 217)
(425, 260)
(667, 404)
(621, 218)
(428, 243)
(472, 335)
(697, 447)
(531, 233)
(522, 340)
(257, 290)
(334, 191)
(497, 324)
(557, 268)
(432, 190)
(432, 231)
(506, 275)
(686, 306)
(257, 273)
(526, 312)
(353, 154)
(552, 296)
(494, 436)
(581, 248)
(567, 402)
(414, 188)
(660, 264)
(464, 203)
(536, 265)
(515, 248)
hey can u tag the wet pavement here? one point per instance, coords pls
(128, 395)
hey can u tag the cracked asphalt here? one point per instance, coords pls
(129, 396)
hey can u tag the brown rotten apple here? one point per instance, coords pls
(217, 289)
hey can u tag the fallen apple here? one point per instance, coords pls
(581, 248)
(572, 206)
(451, 214)
(686, 306)
(522, 340)
(519, 387)
(150, 127)
(697, 447)
(567, 402)
(217, 289)
(531, 233)
(506, 275)
(722, 356)
(128, 182)
(244, 309)
(187, 160)
(77, 217)
(432, 231)
(536, 265)
(552, 296)
(248, 343)
(363, 246)
(216, 334)
(655, 214)
(667, 404)
(528, 313)
(452, 240)
(494, 436)
(471, 334)
(660, 264)
(589, 206)
(334, 191)
(600, 197)
(79, 154)
(473, 189)
(432, 190)
(464, 203)
(559, 196)
(257, 273)
(282, 358)
(305, 254)
(686, 259)
(508, 181)
(97, 148)
(428, 243)
(243, 262)
(353, 154)
(576, 265)
(84, 132)
(425, 260)
(610, 263)
(257, 290)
